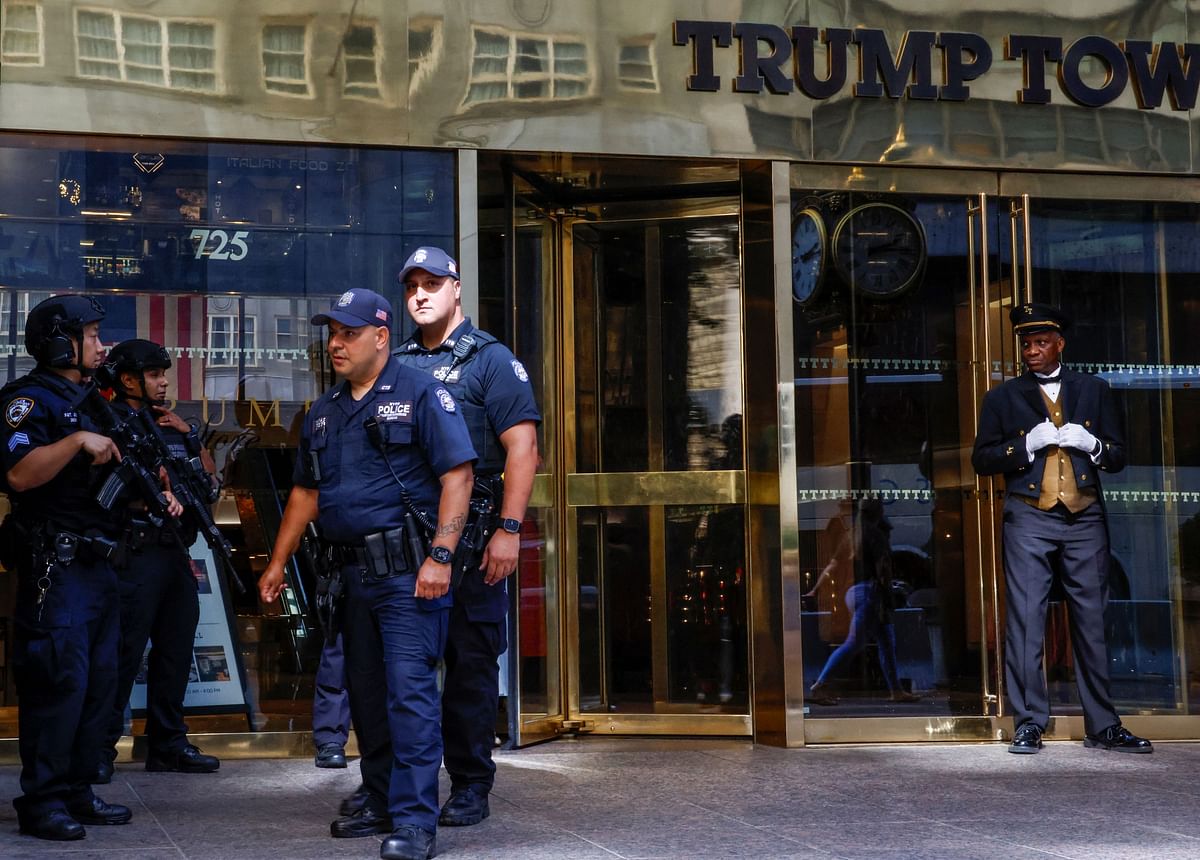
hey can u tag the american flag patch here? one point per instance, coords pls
(17, 439)
(381, 314)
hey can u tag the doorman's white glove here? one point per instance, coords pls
(1074, 436)
(1042, 436)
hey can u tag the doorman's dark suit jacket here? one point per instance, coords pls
(1040, 545)
(1013, 409)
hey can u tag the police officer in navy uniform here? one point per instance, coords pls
(160, 603)
(58, 540)
(385, 458)
(497, 402)
(1051, 432)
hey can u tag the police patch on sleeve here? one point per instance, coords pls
(17, 410)
(446, 400)
(519, 370)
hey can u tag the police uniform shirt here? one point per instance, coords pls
(425, 437)
(490, 383)
(39, 411)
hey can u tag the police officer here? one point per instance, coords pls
(58, 540)
(497, 403)
(160, 602)
(1050, 432)
(384, 462)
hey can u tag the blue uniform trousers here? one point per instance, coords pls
(394, 643)
(160, 604)
(65, 665)
(331, 702)
(1032, 539)
(471, 698)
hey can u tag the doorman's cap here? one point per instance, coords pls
(1033, 317)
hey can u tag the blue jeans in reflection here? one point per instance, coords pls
(866, 623)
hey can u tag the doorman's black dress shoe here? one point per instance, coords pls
(408, 843)
(99, 812)
(365, 822)
(466, 806)
(187, 760)
(1026, 740)
(57, 824)
(1118, 739)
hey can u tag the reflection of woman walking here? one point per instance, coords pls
(867, 546)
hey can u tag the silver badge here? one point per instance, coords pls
(519, 370)
(347, 298)
(446, 400)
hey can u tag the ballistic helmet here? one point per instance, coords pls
(55, 325)
(136, 355)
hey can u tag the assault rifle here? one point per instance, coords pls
(145, 455)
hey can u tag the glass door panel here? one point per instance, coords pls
(1126, 272)
(888, 322)
(656, 489)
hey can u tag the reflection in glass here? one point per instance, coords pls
(706, 657)
(1126, 272)
(659, 370)
(878, 386)
(222, 252)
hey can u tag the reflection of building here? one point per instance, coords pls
(631, 238)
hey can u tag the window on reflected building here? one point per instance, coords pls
(285, 59)
(155, 52)
(635, 66)
(222, 253)
(360, 56)
(508, 65)
(21, 33)
(424, 50)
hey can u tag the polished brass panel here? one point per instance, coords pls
(444, 77)
(903, 729)
(982, 729)
(1093, 187)
(468, 225)
(773, 583)
(668, 724)
(882, 178)
(602, 489)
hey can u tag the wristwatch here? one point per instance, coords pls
(510, 525)
(441, 554)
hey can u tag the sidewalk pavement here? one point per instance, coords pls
(645, 798)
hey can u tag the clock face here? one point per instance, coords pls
(879, 249)
(808, 254)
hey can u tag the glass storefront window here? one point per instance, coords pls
(221, 252)
(1126, 272)
(883, 354)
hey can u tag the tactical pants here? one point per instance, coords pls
(471, 699)
(331, 702)
(64, 660)
(394, 642)
(160, 605)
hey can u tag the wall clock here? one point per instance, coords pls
(879, 249)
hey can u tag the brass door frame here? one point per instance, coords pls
(996, 199)
(653, 489)
(976, 188)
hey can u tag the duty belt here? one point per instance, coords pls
(86, 548)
